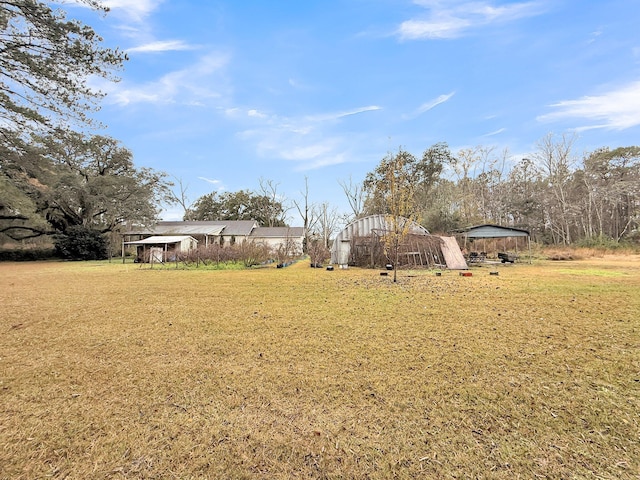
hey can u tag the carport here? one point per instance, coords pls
(497, 231)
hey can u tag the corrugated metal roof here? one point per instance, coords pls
(364, 226)
(224, 227)
(494, 231)
(239, 227)
(277, 232)
(162, 239)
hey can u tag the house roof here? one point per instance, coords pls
(162, 240)
(238, 227)
(277, 232)
(217, 227)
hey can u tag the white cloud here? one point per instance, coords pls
(256, 113)
(306, 152)
(371, 108)
(325, 117)
(133, 95)
(435, 102)
(210, 180)
(425, 107)
(135, 10)
(442, 28)
(161, 46)
(495, 132)
(453, 19)
(187, 86)
(617, 109)
(308, 141)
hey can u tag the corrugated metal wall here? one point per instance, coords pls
(362, 227)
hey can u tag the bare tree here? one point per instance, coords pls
(355, 194)
(286, 251)
(317, 250)
(275, 210)
(307, 213)
(555, 157)
(181, 198)
(327, 222)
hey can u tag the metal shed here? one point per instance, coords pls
(158, 249)
(341, 248)
(497, 231)
(360, 244)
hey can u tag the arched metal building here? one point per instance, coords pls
(374, 225)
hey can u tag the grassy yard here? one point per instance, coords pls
(115, 371)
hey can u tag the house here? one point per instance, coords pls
(218, 232)
(225, 232)
(274, 237)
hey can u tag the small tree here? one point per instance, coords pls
(287, 250)
(252, 253)
(317, 250)
(394, 182)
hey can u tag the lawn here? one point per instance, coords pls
(119, 371)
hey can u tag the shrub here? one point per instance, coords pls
(26, 255)
(601, 241)
(81, 243)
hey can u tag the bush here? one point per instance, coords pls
(602, 242)
(81, 243)
(26, 255)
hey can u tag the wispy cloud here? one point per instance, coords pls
(495, 132)
(190, 85)
(161, 46)
(616, 110)
(425, 107)
(431, 104)
(594, 36)
(338, 115)
(256, 113)
(136, 10)
(210, 180)
(309, 142)
(371, 108)
(453, 19)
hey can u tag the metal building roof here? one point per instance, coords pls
(162, 239)
(214, 228)
(494, 231)
(277, 232)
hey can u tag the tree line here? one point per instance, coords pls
(560, 197)
(60, 179)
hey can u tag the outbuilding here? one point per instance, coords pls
(489, 231)
(362, 243)
(161, 248)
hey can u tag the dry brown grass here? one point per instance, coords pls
(116, 371)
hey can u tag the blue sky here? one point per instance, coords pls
(222, 93)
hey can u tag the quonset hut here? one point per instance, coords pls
(361, 243)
